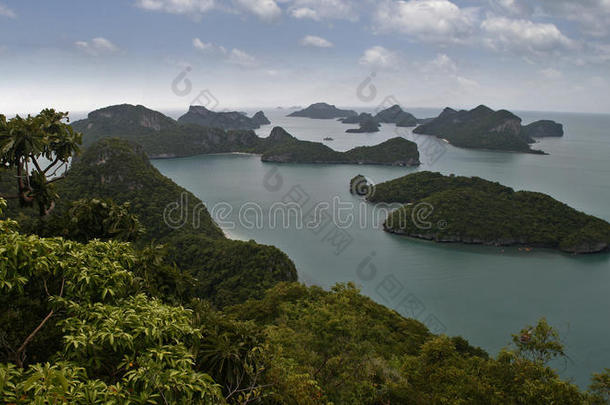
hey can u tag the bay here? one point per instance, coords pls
(481, 293)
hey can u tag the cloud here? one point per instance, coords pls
(524, 36)
(235, 56)
(202, 46)
(427, 20)
(196, 7)
(323, 9)
(592, 15)
(379, 57)
(512, 7)
(551, 74)
(444, 63)
(312, 40)
(266, 10)
(242, 58)
(467, 84)
(7, 12)
(97, 46)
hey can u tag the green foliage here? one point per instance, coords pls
(119, 170)
(539, 343)
(24, 142)
(340, 347)
(229, 272)
(105, 341)
(95, 218)
(417, 186)
(600, 387)
(328, 346)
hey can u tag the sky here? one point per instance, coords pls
(78, 55)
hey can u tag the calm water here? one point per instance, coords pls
(481, 293)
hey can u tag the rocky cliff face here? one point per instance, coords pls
(260, 119)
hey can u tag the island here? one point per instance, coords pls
(260, 119)
(481, 128)
(356, 119)
(396, 115)
(543, 129)
(281, 147)
(322, 111)
(360, 186)
(472, 210)
(159, 135)
(225, 120)
(368, 124)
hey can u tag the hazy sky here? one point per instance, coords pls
(528, 55)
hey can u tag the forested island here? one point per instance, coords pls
(484, 128)
(229, 120)
(281, 147)
(369, 123)
(476, 211)
(323, 111)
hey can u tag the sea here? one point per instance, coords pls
(482, 293)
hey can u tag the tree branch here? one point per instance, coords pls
(19, 354)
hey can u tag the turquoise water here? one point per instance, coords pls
(481, 293)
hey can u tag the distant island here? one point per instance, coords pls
(368, 123)
(163, 137)
(323, 111)
(281, 147)
(396, 115)
(472, 210)
(225, 120)
(159, 135)
(543, 129)
(484, 128)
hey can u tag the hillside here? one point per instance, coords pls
(480, 128)
(159, 135)
(114, 168)
(119, 170)
(477, 211)
(281, 147)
